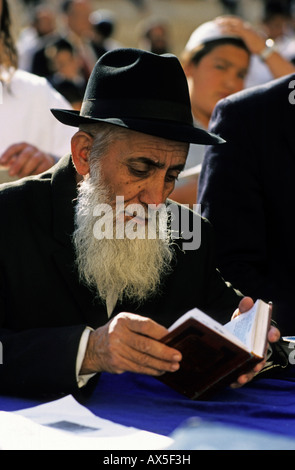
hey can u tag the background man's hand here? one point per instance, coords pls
(243, 29)
(23, 159)
(131, 343)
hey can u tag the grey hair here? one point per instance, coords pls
(103, 134)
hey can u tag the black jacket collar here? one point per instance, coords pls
(64, 195)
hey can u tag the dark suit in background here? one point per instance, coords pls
(247, 191)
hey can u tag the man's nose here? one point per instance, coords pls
(154, 192)
(232, 82)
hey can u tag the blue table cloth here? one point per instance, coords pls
(265, 404)
(144, 402)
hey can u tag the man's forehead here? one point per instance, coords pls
(141, 146)
(161, 163)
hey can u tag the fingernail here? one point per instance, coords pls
(176, 358)
(174, 367)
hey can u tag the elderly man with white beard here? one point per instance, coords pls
(99, 264)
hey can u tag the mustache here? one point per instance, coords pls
(130, 220)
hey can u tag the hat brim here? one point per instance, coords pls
(166, 130)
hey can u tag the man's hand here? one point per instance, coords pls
(23, 159)
(273, 336)
(131, 343)
(243, 29)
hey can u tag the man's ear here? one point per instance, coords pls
(81, 145)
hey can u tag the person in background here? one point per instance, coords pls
(277, 30)
(74, 27)
(78, 31)
(230, 7)
(216, 61)
(67, 77)
(154, 35)
(104, 27)
(34, 38)
(248, 182)
(31, 141)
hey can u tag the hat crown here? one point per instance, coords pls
(121, 85)
(142, 91)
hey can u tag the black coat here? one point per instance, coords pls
(44, 308)
(247, 191)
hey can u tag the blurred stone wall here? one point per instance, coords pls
(183, 16)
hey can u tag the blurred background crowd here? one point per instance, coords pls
(60, 41)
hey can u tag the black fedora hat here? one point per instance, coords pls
(141, 91)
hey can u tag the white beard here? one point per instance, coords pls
(130, 269)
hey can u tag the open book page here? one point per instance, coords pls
(210, 323)
(251, 327)
(242, 327)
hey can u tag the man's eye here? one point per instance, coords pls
(172, 177)
(220, 67)
(138, 171)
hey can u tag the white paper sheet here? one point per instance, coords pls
(64, 424)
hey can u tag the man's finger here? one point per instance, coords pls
(145, 363)
(273, 334)
(144, 326)
(140, 334)
(11, 152)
